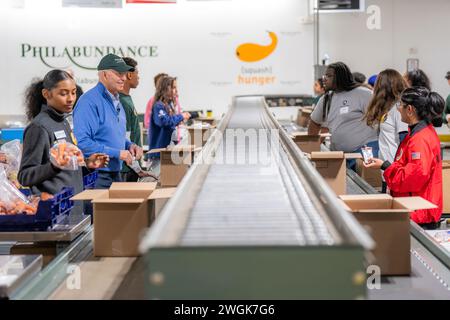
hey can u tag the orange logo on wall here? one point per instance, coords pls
(252, 52)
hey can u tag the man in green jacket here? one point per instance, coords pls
(446, 112)
(133, 128)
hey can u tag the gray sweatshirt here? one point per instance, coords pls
(36, 171)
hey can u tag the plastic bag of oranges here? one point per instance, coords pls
(66, 156)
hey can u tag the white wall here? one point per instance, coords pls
(409, 29)
(196, 42)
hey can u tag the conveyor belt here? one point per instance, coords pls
(260, 203)
(276, 213)
(240, 193)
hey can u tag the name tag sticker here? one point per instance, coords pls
(60, 134)
(343, 110)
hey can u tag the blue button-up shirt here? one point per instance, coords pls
(100, 125)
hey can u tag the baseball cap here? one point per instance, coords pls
(372, 80)
(114, 62)
(448, 75)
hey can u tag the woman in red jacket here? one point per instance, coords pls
(417, 168)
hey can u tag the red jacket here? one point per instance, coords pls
(417, 171)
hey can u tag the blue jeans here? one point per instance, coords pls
(351, 163)
(106, 178)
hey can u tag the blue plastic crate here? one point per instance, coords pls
(9, 134)
(49, 213)
(89, 180)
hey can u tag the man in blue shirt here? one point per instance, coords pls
(100, 122)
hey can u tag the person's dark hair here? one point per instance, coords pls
(359, 77)
(428, 105)
(130, 61)
(343, 80)
(320, 81)
(388, 88)
(163, 84)
(418, 78)
(33, 94)
(343, 77)
(159, 76)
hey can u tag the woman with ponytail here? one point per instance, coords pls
(48, 103)
(417, 167)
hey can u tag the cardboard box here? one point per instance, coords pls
(370, 175)
(199, 135)
(387, 220)
(446, 184)
(210, 121)
(121, 216)
(159, 198)
(304, 115)
(332, 167)
(309, 143)
(175, 163)
(131, 189)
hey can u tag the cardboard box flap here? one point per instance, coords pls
(118, 201)
(163, 193)
(130, 186)
(90, 194)
(369, 202)
(179, 148)
(415, 203)
(353, 197)
(381, 211)
(156, 150)
(353, 156)
(344, 205)
(327, 155)
(304, 136)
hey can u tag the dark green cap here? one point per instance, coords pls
(111, 61)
